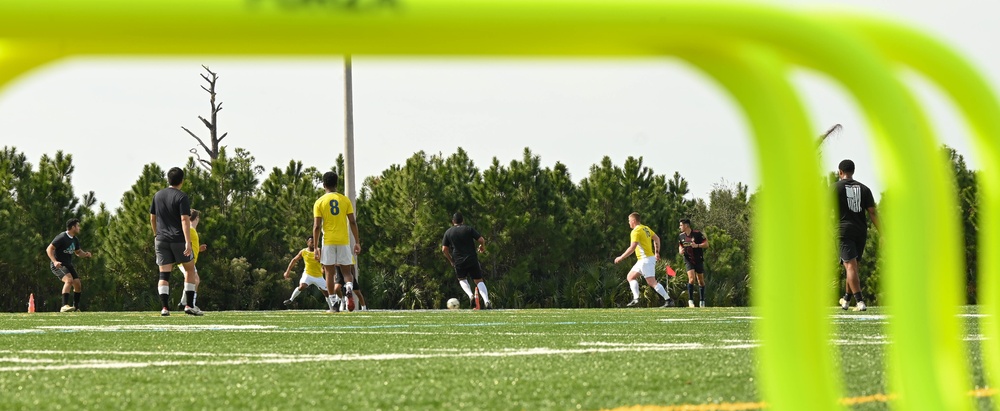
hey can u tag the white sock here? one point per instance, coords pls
(465, 286)
(164, 289)
(482, 292)
(661, 291)
(295, 293)
(348, 287)
(634, 285)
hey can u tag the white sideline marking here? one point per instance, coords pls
(671, 320)
(19, 331)
(269, 358)
(154, 327)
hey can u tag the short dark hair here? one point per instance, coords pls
(457, 218)
(847, 166)
(195, 214)
(330, 180)
(175, 176)
(72, 222)
(686, 221)
(638, 218)
(309, 237)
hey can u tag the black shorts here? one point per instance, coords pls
(852, 247)
(474, 271)
(339, 277)
(698, 267)
(170, 253)
(62, 271)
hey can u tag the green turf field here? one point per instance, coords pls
(501, 359)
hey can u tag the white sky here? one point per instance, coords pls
(115, 115)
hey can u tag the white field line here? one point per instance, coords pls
(266, 358)
(147, 327)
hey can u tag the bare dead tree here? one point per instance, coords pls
(214, 138)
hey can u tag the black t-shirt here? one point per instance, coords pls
(853, 200)
(461, 239)
(66, 247)
(695, 255)
(169, 204)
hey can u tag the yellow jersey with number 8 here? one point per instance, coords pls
(333, 208)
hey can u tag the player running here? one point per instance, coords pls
(646, 245)
(459, 248)
(311, 275)
(332, 214)
(853, 200)
(692, 244)
(61, 251)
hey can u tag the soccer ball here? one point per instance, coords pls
(453, 304)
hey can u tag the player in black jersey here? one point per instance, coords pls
(61, 251)
(854, 200)
(459, 245)
(692, 244)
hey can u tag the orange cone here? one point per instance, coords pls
(31, 303)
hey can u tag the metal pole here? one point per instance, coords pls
(348, 132)
(349, 153)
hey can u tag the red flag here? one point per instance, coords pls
(671, 272)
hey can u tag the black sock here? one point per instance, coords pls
(65, 298)
(847, 296)
(859, 298)
(701, 293)
(691, 291)
(76, 300)
(190, 298)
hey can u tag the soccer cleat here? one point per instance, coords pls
(164, 312)
(195, 311)
(180, 306)
(668, 303)
(488, 306)
(702, 304)
(364, 308)
(67, 309)
(844, 304)
(861, 306)
(633, 303)
(288, 303)
(335, 307)
(329, 311)
(350, 304)
(690, 303)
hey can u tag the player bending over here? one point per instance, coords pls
(61, 251)
(312, 274)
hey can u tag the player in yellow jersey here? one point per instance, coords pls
(311, 275)
(646, 245)
(196, 248)
(333, 213)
